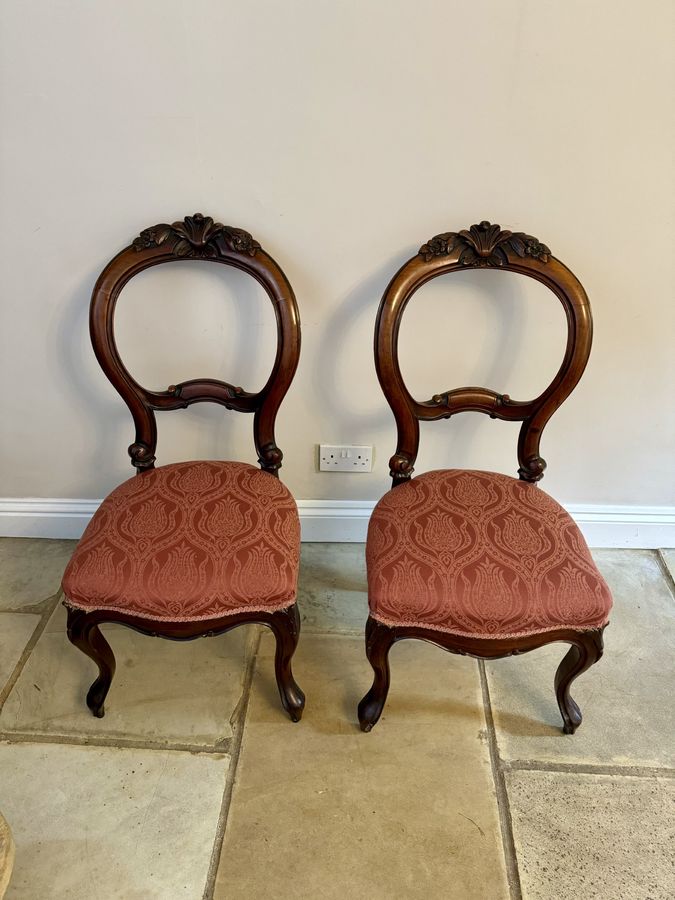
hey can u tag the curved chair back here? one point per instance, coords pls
(482, 246)
(197, 237)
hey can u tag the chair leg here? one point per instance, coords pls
(581, 656)
(379, 640)
(83, 632)
(285, 624)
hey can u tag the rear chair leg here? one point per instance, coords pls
(581, 656)
(83, 632)
(379, 640)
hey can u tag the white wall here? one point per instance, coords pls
(342, 135)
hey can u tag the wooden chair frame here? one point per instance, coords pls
(482, 246)
(195, 237)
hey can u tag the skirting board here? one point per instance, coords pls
(346, 521)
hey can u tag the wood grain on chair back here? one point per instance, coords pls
(482, 246)
(197, 237)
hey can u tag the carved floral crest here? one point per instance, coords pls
(198, 236)
(485, 245)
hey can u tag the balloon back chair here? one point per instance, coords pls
(479, 563)
(197, 548)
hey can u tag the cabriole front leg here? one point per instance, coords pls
(580, 657)
(84, 633)
(379, 639)
(285, 623)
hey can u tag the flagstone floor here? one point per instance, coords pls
(196, 784)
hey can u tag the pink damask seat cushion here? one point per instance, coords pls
(189, 541)
(483, 555)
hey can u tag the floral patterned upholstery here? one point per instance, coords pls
(189, 541)
(482, 555)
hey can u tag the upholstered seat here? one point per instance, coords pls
(187, 542)
(483, 555)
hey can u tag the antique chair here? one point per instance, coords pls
(479, 563)
(196, 548)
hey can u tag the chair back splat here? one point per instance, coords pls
(197, 237)
(481, 246)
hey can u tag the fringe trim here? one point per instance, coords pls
(283, 604)
(496, 636)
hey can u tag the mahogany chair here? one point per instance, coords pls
(479, 563)
(196, 548)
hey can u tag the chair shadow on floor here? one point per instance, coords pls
(137, 682)
(541, 718)
(339, 673)
(330, 578)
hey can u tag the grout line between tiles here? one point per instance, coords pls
(665, 571)
(75, 740)
(28, 649)
(528, 765)
(239, 716)
(356, 632)
(503, 805)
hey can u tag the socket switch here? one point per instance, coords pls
(345, 458)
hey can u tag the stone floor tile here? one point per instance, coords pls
(15, 632)
(332, 590)
(603, 836)
(163, 691)
(31, 570)
(668, 556)
(321, 810)
(626, 698)
(99, 823)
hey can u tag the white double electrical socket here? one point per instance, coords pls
(345, 458)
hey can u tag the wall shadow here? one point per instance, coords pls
(335, 344)
(499, 298)
(215, 422)
(102, 412)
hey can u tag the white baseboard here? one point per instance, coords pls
(648, 527)
(346, 521)
(45, 517)
(339, 521)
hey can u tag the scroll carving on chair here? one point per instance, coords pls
(191, 549)
(479, 563)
